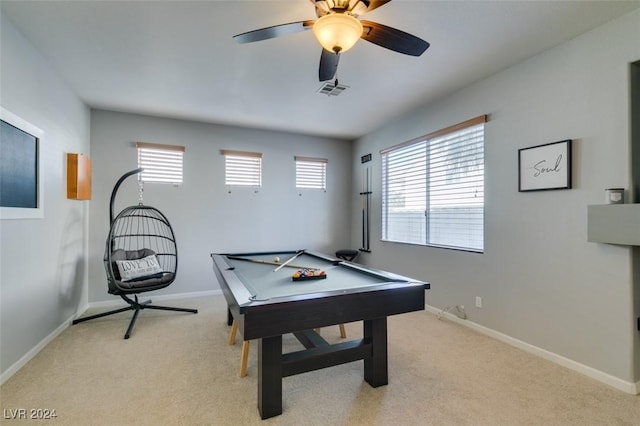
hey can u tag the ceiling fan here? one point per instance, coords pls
(338, 28)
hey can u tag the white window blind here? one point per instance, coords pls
(242, 168)
(311, 173)
(433, 189)
(161, 163)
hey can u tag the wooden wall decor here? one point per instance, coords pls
(78, 177)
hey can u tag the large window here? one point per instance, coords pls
(242, 168)
(433, 189)
(311, 173)
(161, 163)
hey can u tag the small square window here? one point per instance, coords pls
(242, 168)
(161, 163)
(311, 173)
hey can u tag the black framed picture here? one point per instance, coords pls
(20, 177)
(545, 167)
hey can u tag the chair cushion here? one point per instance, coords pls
(136, 285)
(153, 282)
(120, 254)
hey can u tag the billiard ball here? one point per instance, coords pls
(276, 259)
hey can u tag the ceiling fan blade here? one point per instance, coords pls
(393, 39)
(274, 31)
(328, 65)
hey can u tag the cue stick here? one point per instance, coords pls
(367, 209)
(369, 178)
(363, 195)
(363, 224)
(288, 261)
(267, 262)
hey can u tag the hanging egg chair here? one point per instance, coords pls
(140, 255)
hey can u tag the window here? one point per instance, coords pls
(433, 188)
(242, 168)
(161, 163)
(311, 173)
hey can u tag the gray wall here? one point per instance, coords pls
(43, 271)
(205, 216)
(635, 171)
(540, 280)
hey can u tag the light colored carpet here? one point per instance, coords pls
(177, 369)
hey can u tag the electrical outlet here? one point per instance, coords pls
(478, 302)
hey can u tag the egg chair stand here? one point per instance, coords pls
(140, 255)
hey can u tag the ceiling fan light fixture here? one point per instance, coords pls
(337, 32)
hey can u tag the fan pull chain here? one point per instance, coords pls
(140, 191)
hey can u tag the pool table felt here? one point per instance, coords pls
(264, 284)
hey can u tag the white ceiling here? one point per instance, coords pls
(177, 58)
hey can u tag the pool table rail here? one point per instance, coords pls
(264, 318)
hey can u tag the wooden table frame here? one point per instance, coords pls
(301, 314)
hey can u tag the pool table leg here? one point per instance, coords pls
(375, 368)
(270, 376)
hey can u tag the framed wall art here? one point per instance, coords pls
(545, 167)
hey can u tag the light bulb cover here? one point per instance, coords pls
(337, 32)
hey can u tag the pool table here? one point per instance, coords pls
(267, 303)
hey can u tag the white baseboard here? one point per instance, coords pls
(628, 387)
(13, 369)
(115, 303)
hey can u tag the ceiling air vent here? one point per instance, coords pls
(331, 88)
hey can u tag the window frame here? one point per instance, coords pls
(310, 166)
(161, 171)
(29, 129)
(244, 172)
(421, 187)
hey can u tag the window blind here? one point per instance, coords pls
(242, 168)
(161, 163)
(433, 189)
(311, 173)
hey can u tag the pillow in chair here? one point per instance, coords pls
(138, 269)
